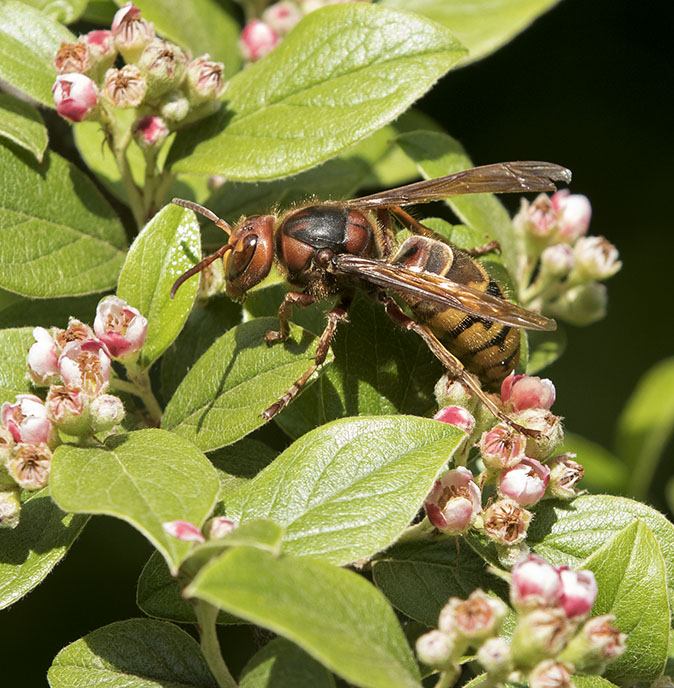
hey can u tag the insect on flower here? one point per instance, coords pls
(336, 247)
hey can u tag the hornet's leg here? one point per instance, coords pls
(451, 362)
(292, 298)
(335, 316)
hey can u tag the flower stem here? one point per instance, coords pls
(206, 616)
(139, 386)
(448, 677)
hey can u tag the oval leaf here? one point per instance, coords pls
(223, 396)
(334, 614)
(14, 345)
(58, 235)
(29, 41)
(338, 76)
(22, 124)
(64, 11)
(136, 654)
(631, 576)
(482, 26)
(30, 551)
(145, 478)
(350, 487)
(168, 246)
(281, 664)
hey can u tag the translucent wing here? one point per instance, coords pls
(502, 177)
(431, 287)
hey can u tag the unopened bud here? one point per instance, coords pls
(574, 212)
(597, 642)
(30, 465)
(526, 482)
(565, 473)
(102, 50)
(521, 392)
(72, 58)
(131, 32)
(479, 616)
(596, 259)
(205, 79)
(457, 416)
(550, 674)
(219, 526)
(451, 392)
(535, 584)
(454, 501)
(68, 409)
(163, 65)
(257, 40)
(495, 657)
(557, 261)
(183, 530)
(538, 219)
(75, 96)
(435, 649)
(502, 447)
(581, 305)
(174, 108)
(122, 328)
(579, 591)
(107, 410)
(150, 132)
(540, 634)
(282, 16)
(506, 522)
(125, 87)
(10, 506)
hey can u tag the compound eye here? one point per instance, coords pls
(240, 258)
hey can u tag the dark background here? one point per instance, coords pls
(585, 86)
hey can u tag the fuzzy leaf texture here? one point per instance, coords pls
(146, 478)
(58, 235)
(64, 11)
(349, 488)
(167, 246)
(333, 614)
(14, 345)
(138, 653)
(30, 551)
(223, 396)
(343, 72)
(21, 123)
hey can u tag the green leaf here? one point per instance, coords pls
(30, 551)
(167, 246)
(205, 324)
(439, 154)
(146, 478)
(544, 349)
(645, 426)
(630, 574)
(338, 76)
(22, 124)
(14, 345)
(137, 653)
(281, 664)
(379, 369)
(160, 595)
(603, 470)
(350, 487)
(419, 577)
(223, 396)
(333, 614)
(201, 26)
(58, 235)
(64, 11)
(591, 682)
(21, 312)
(99, 12)
(29, 41)
(568, 533)
(483, 26)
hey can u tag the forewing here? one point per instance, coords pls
(431, 287)
(502, 177)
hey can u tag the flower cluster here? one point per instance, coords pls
(523, 469)
(560, 267)
(159, 79)
(75, 364)
(553, 637)
(260, 36)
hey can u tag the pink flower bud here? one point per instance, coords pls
(43, 358)
(183, 530)
(506, 522)
(219, 526)
(150, 131)
(101, 47)
(107, 410)
(27, 419)
(125, 87)
(526, 482)
(574, 212)
(551, 674)
(72, 57)
(502, 447)
(596, 259)
(479, 616)
(257, 40)
(30, 465)
(525, 391)
(435, 649)
(456, 416)
(535, 583)
(282, 16)
(68, 408)
(495, 657)
(10, 507)
(454, 501)
(75, 96)
(120, 327)
(579, 591)
(86, 365)
(565, 473)
(557, 260)
(538, 219)
(131, 32)
(205, 79)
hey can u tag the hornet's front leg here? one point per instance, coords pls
(292, 298)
